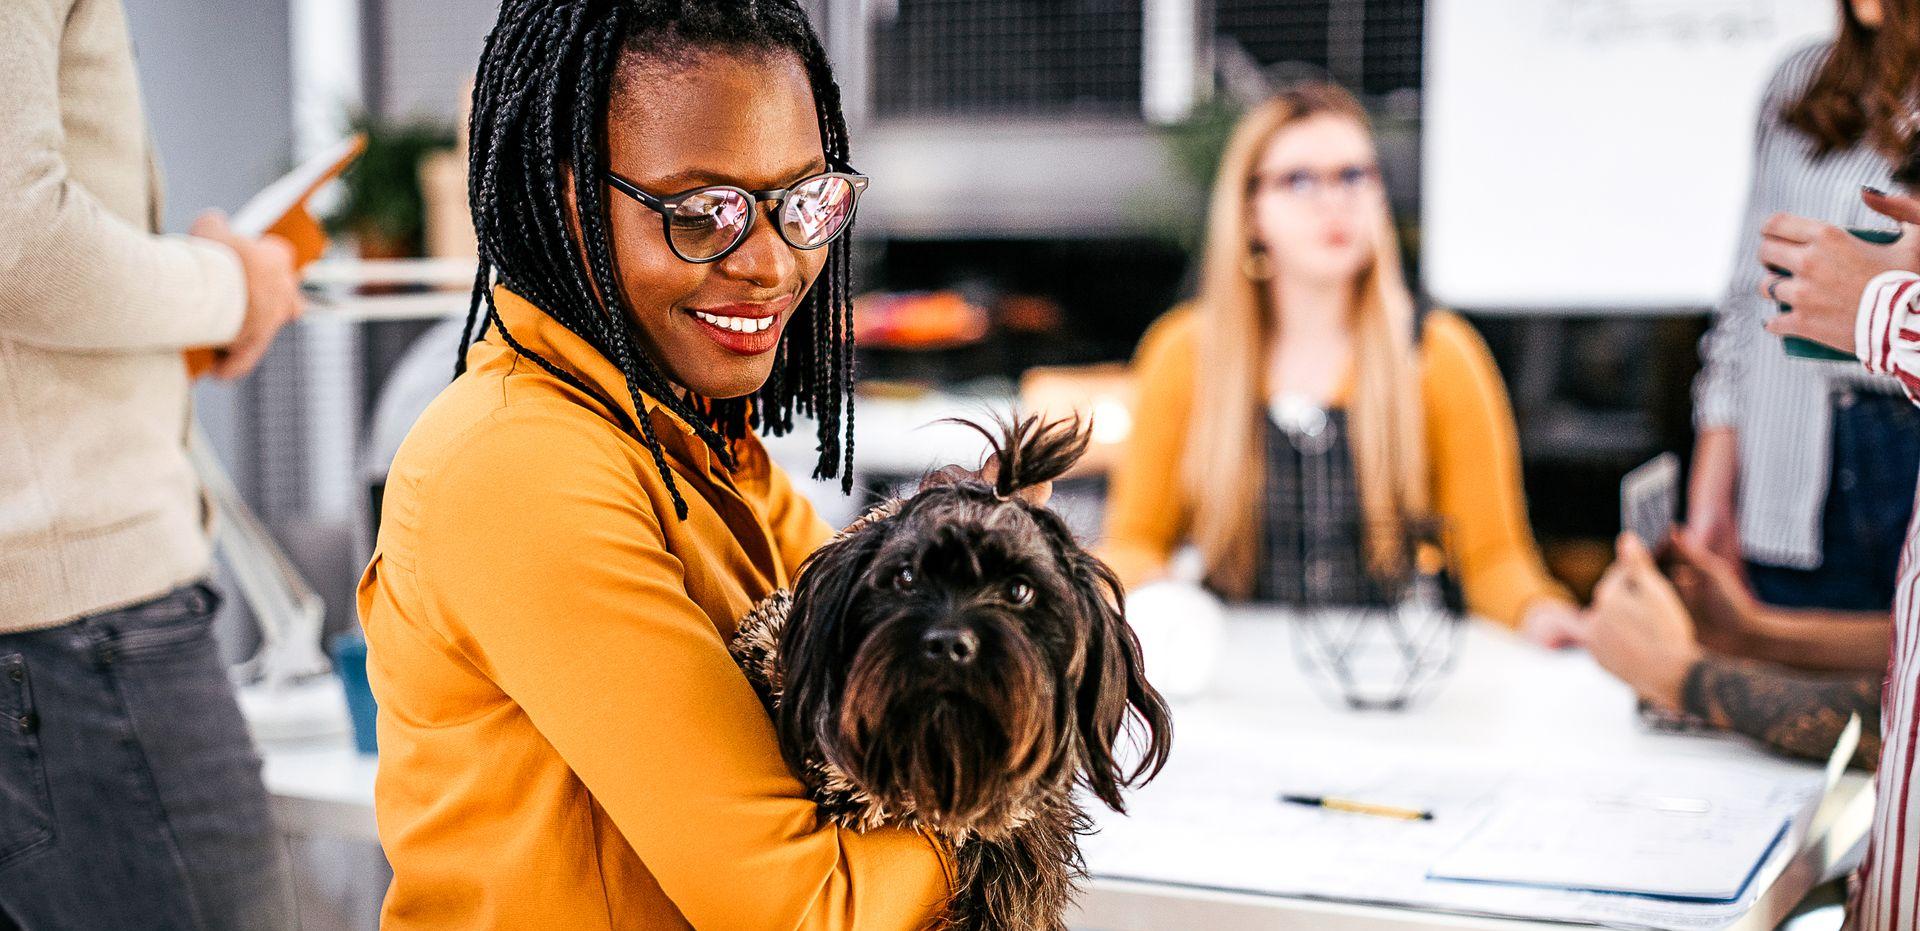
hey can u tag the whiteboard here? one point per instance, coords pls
(1594, 154)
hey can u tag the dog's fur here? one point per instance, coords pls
(884, 725)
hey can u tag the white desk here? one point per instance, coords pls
(321, 788)
(1504, 701)
(1503, 696)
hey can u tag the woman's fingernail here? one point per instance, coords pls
(1873, 190)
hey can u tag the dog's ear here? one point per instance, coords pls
(814, 647)
(1030, 451)
(1115, 697)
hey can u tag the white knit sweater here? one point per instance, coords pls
(99, 507)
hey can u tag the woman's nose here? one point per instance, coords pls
(763, 259)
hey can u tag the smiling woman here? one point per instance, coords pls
(661, 195)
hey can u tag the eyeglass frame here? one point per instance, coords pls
(1364, 175)
(665, 207)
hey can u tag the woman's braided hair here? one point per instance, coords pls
(540, 104)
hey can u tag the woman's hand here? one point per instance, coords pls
(1640, 628)
(1728, 617)
(1828, 269)
(1554, 624)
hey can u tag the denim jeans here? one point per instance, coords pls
(130, 792)
(1870, 489)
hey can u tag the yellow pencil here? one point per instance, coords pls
(1358, 808)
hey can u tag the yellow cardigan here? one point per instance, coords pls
(564, 741)
(1471, 450)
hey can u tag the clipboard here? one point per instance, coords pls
(280, 209)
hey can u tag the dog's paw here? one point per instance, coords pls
(756, 644)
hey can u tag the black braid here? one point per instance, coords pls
(539, 108)
(473, 313)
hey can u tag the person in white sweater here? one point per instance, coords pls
(130, 793)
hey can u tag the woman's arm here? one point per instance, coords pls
(1731, 620)
(568, 599)
(1474, 454)
(1839, 641)
(1145, 502)
(1714, 479)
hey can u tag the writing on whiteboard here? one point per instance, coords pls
(1682, 22)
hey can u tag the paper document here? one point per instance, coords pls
(260, 214)
(1210, 821)
(1675, 848)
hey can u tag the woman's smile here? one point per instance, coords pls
(747, 329)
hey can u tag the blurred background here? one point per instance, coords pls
(1567, 173)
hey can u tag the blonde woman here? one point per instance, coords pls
(1299, 416)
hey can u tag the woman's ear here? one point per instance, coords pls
(814, 646)
(1114, 692)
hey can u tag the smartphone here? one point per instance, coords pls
(1800, 348)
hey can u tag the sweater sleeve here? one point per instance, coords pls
(73, 275)
(1474, 456)
(1146, 514)
(595, 616)
(1728, 344)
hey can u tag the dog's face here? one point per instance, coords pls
(963, 657)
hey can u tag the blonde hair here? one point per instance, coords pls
(1225, 454)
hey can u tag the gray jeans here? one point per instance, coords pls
(130, 793)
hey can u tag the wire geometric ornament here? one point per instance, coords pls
(1379, 658)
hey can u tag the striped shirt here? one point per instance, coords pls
(1887, 339)
(1780, 407)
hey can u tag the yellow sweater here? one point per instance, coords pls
(564, 741)
(1471, 450)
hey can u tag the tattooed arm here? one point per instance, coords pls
(1795, 713)
(1641, 633)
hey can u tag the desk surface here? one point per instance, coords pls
(1507, 707)
(1505, 700)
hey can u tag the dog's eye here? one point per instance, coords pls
(1020, 593)
(903, 579)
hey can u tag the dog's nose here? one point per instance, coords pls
(955, 645)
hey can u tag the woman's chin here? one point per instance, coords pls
(723, 383)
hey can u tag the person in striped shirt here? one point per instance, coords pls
(1864, 298)
(1792, 461)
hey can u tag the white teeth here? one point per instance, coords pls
(736, 324)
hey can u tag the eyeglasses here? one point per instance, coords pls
(707, 223)
(1306, 182)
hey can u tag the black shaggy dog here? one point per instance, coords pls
(955, 662)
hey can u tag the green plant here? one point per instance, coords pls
(1197, 142)
(1194, 146)
(382, 189)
